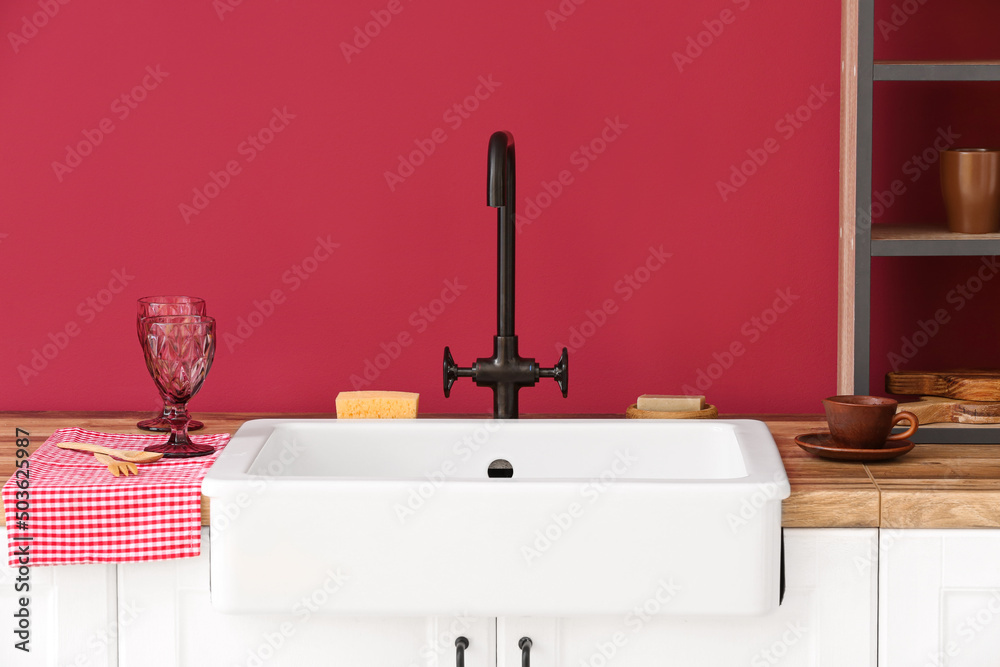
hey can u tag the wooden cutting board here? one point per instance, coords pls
(936, 410)
(965, 385)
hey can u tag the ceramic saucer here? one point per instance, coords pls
(822, 444)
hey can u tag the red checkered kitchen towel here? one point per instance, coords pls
(77, 512)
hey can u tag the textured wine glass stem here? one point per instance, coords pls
(175, 411)
(178, 418)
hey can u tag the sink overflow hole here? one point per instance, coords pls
(500, 468)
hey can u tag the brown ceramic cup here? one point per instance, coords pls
(865, 422)
(970, 186)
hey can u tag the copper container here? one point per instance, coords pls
(970, 185)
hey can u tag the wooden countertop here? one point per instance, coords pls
(933, 486)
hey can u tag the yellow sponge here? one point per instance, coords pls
(377, 405)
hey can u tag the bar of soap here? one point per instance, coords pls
(377, 405)
(662, 403)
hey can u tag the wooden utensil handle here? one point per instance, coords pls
(905, 416)
(84, 447)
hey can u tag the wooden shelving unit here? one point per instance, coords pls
(860, 240)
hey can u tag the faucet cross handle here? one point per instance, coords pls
(560, 372)
(452, 372)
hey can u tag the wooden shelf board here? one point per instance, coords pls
(929, 240)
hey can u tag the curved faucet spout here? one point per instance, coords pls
(500, 171)
(500, 195)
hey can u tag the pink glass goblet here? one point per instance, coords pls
(178, 350)
(154, 306)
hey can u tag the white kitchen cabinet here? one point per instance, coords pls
(172, 622)
(939, 593)
(827, 619)
(165, 617)
(71, 614)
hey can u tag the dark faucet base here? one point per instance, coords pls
(505, 373)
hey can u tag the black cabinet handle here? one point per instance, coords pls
(460, 645)
(525, 646)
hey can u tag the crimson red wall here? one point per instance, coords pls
(324, 190)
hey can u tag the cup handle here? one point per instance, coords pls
(904, 416)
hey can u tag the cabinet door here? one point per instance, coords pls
(827, 619)
(171, 621)
(939, 593)
(71, 615)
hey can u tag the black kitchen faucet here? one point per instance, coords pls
(506, 371)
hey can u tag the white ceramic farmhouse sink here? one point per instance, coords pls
(402, 517)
